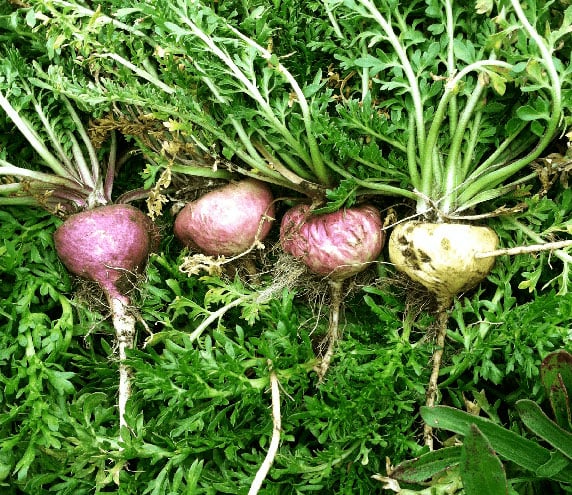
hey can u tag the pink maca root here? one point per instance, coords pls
(227, 221)
(337, 245)
(105, 245)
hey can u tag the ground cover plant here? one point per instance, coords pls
(334, 105)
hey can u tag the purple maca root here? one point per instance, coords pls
(227, 221)
(337, 245)
(105, 245)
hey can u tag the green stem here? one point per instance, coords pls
(293, 172)
(215, 315)
(412, 154)
(7, 168)
(95, 178)
(18, 201)
(451, 66)
(260, 164)
(11, 188)
(318, 165)
(373, 187)
(472, 141)
(364, 75)
(453, 170)
(438, 173)
(333, 21)
(314, 160)
(244, 138)
(451, 87)
(31, 136)
(200, 171)
(111, 168)
(545, 52)
(494, 178)
(382, 165)
(497, 158)
(140, 72)
(407, 68)
(56, 142)
(394, 143)
(80, 162)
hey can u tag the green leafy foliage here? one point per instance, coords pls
(460, 96)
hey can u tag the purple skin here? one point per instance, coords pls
(105, 244)
(226, 221)
(337, 245)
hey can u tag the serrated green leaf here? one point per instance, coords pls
(498, 82)
(464, 50)
(484, 6)
(60, 380)
(529, 113)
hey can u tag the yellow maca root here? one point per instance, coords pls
(442, 256)
(444, 259)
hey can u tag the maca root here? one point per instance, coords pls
(444, 258)
(441, 256)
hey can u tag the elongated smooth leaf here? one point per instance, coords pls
(427, 466)
(481, 469)
(540, 424)
(508, 444)
(557, 463)
(557, 363)
(559, 397)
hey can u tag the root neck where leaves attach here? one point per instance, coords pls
(432, 387)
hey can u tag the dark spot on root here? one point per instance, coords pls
(423, 256)
(445, 244)
(402, 240)
(411, 258)
(416, 266)
(409, 254)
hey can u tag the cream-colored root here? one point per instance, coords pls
(124, 325)
(531, 248)
(275, 440)
(333, 336)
